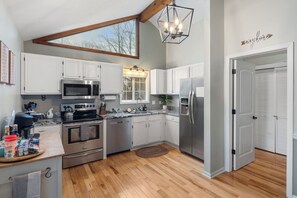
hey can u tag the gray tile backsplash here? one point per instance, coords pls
(55, 102)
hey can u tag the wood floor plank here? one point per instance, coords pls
(173, 175)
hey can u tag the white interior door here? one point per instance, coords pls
(243, 118)
(265, 109)
(281, 110)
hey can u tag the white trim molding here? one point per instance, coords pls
(214, 174)
(289, 48)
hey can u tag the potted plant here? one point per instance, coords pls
(165, 99)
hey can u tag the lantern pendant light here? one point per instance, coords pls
(175, 23)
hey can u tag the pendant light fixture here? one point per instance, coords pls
(175, 23)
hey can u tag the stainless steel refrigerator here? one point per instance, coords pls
(191, 129)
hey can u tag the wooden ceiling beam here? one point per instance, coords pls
(153, 9)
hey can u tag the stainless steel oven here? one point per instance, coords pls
(80, 89)
(83, 142)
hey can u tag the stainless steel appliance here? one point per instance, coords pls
(192, 117)
(118, 135)
(80, 89)
(82, 134)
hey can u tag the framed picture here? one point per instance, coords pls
(11, 68)
(4, 63)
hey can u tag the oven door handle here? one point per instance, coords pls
(83, 155)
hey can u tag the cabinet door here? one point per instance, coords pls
(169, 81)
(111, 78)
(73, 69)
(178, 74)
(158, 81)
(41, 74)
(172, 132)
(156, 128)
(197, 70)
(140, 132)
(91, 70)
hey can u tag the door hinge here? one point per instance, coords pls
(62, 62)
(233, 111)
(233, 152)
(233, 71)
(24, 58)
(24, 88)
(132, 126)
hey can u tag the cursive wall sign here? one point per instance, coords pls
(256, 39)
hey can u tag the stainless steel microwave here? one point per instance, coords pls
(80, 89)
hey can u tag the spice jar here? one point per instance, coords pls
(10, 143)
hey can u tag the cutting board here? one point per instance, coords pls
(17, 159)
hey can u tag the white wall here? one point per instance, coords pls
(190, 51)
(10, 95)
(243, 18)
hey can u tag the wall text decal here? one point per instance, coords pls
(256, 39)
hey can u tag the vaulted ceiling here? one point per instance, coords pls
(37, 18)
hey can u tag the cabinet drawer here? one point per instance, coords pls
(155, 117)
(172, 118)
(140, 119)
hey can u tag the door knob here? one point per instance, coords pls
(255, 118)
(276, 117)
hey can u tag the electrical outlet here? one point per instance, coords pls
(153, 102)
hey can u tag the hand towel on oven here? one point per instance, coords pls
(26, 186)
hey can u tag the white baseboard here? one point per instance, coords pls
(214, 174)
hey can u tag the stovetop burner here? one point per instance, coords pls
(82, 112)
(85, 119)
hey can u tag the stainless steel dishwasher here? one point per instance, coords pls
(118, 135)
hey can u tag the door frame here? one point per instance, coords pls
(228, 97)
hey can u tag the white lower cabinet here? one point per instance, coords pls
(172, 130)
(139, 131)
(156, 127)
(153, 129)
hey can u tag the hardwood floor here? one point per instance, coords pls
(173, 175)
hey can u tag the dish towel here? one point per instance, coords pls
(26, 186)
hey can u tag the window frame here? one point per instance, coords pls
(45, 40)
(147, 93)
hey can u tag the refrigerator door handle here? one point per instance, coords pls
(192, 107)
(189, 103)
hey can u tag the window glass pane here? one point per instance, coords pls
(135, 89)
(118, 38)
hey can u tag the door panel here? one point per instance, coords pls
(155, 130)
(91, 70)
(140, 133)
(281, 110)
(73, 69)
(265, 109)
(243, 119)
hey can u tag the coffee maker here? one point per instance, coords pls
(25, 125)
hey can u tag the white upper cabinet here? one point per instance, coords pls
(79, 69)
(197, 70)
(91, 70)
(158, 81)
(169, 81)
(178, 74)
(40, 75)
(111, 78)
(73, 69)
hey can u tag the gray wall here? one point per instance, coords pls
(214, 89)
(243, 18)
(152, 55)
(295, 172)
(152, 51)
(190, 51)
(10, 98)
